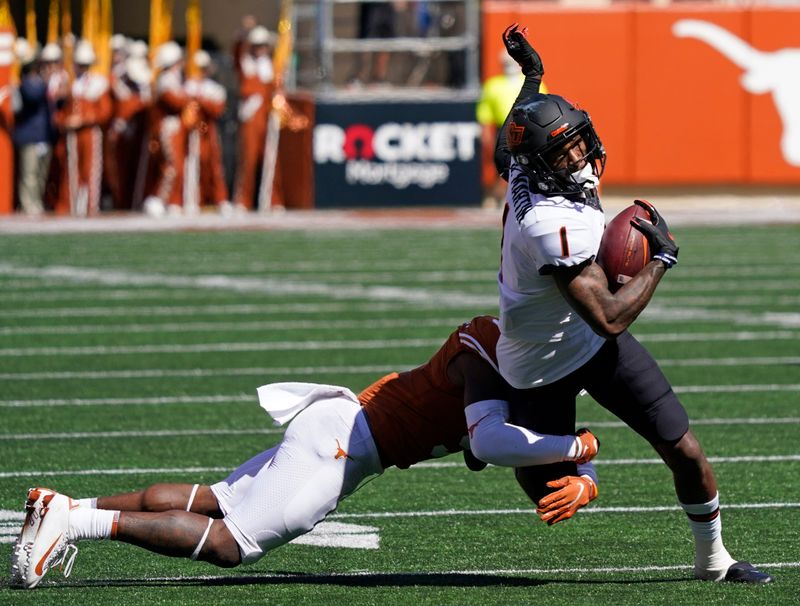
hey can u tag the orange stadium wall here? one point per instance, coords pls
(686, 95)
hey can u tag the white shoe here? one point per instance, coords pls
(21, 553)
(51, 545)
(154, 207)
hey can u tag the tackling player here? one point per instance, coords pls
(333, 444)
(562, 329)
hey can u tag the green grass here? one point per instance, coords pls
(375, 302)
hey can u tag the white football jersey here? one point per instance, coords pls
(542, 337)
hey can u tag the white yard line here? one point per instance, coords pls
(268, 286)
(214, 399)
(425, 465)
(225, 326)
(744, 459)
(411, 575)
(737, 388)
(662, 314)
(731, 301)
(296, 345)
(237, 309)
(219, 347)
(116, 472)
(222, 398)
(743, 361)
(716, 421)
(156, 433)
(272, 371)
(528, 511)
(151, 373)
(366, 292)
(159, 433)
(703, 284)
(740, 335)
(10, 521)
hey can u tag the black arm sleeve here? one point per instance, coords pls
(502, 157)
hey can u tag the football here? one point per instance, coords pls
(624, 250)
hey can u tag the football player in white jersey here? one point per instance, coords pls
(562, 329)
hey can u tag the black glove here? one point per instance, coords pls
(521, 51)
(657, 233)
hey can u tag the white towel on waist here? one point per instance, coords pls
(283, 401)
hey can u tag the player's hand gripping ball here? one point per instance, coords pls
(624, 250)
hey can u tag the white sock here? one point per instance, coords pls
(711, 559)
(87, 523)
(90, 503)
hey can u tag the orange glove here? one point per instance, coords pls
(589, 445)
(576, 492)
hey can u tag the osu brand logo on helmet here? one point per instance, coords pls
(541, 128)
(515, 134)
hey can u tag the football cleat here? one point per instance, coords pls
(20, 554)
(745, 572)
(588, 445)
(50, 546)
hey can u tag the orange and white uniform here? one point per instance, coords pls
(256, 88)
(56, 196)
(170, 121)
(211, 98)
(130, 102)
(88, 102)
(330, 447)
(419, 414)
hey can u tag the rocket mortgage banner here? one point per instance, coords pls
(395, 154)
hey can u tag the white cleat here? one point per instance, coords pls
(20, 555)
(51, 545)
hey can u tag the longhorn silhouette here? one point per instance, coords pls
(775, 72)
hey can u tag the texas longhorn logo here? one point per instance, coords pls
(765, 72)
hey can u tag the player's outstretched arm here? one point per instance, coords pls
(515, 39)
(492, 438)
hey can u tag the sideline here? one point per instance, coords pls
(681, 209)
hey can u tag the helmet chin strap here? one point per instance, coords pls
(585, 177)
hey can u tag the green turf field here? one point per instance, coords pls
(132, 359)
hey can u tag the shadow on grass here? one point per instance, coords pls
(359, 580)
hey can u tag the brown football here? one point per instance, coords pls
(624, 250)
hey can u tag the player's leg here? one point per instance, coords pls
(178, 534)
(212, 501)
(624, 378)
(162, 497)
(547, 410)
(55, 523)
(326, 453)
